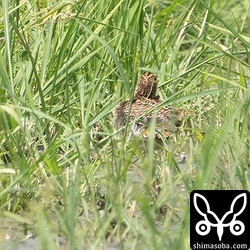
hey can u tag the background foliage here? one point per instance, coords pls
(64, 66)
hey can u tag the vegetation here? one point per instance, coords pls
(66, 175)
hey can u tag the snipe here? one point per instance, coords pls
(143, 108)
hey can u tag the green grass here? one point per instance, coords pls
(64, 170)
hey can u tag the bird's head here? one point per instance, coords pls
(147, 86)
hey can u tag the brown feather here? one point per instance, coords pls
(143, 108)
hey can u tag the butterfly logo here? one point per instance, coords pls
(203, 227)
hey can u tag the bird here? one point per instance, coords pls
(143, 110)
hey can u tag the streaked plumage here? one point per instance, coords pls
(141, 110)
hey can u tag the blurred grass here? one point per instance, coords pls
(63, 68)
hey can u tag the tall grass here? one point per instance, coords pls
(65, 172)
